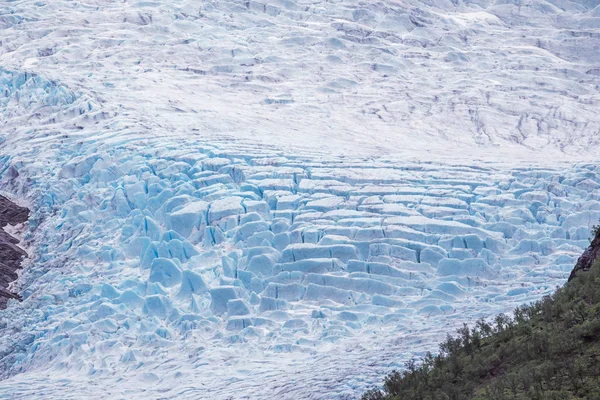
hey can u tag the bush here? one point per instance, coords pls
(373, 394)
(596, 230)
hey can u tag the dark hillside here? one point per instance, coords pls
(547, 350)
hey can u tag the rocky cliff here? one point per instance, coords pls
(589, 256)
(10, 254)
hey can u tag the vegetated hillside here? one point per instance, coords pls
(547, 350)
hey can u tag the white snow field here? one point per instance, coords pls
(284, 199)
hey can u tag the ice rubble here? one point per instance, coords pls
(168, 250)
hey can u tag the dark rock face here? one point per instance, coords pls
(10, 213)
(588, 258)
(10, 254)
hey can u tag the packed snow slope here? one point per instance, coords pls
(284, 199)
(364, 76)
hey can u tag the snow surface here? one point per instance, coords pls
(284, 199)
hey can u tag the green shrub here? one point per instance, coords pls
(596, 230)
(549, 349)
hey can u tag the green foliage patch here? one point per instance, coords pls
(596, 230)
(549, 349)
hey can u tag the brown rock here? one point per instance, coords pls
(10, 254)
(589, 257)
(10, 213)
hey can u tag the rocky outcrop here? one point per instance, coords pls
(10, 254)
(589, 256)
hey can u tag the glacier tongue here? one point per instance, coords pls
(172, 260)
(281, 199)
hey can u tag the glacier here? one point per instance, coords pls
(284, 199)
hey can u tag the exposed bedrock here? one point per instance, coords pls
(10, 254)
(589, 256)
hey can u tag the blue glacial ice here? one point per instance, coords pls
(214, 216)
(125, 273)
